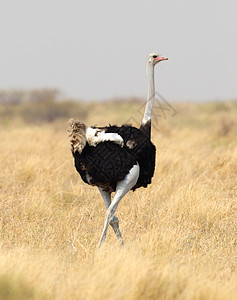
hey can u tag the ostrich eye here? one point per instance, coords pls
(154, 56)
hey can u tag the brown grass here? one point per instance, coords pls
(180, 233)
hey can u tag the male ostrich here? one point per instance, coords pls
(116, 159)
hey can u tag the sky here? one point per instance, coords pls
(97, 50)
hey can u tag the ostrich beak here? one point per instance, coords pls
(160, 58)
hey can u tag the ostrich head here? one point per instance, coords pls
(155, 58)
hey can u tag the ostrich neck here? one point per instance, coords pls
(151, 94)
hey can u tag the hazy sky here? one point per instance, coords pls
(98, 49)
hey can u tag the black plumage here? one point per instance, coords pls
(112, 165)
(108, 163)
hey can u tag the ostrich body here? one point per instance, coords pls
(116, 159)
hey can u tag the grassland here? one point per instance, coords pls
(180, 233)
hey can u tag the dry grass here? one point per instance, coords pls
(180, 233)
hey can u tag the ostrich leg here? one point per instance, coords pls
(115, 221)
(121, 190)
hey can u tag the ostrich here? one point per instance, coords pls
(116, 159)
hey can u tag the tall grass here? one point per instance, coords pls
(180, 233)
